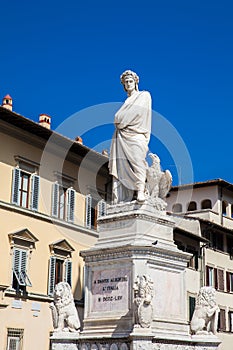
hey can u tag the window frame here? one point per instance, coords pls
(66, 273)
(67, 212)
(222, 320)
(17, 334)
(32, 190)
(20, 279)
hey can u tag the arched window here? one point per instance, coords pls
(206, 204)
(177, 208)
(192, 206)
(224, 208)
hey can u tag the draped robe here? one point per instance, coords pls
(130, 141)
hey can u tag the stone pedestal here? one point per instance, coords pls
(65, 341)
(136, 241)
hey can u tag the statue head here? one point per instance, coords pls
(131, 74)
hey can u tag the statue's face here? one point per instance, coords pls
(129, 83)
(59, 291)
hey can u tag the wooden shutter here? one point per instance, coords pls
(35, 192)
(222, 320)
(70, 204)
(220, 280)
(20, 260)
(88, 210)
(55, 194)
(228, 281)
(68, 272)
(51, 279)
(20, 266)
(15, 186)
(101, 208)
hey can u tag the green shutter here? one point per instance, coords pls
(192, 303)
(55, 194)
(15, 186)
(88, 210)
(68, 272)
(102, 208)
(35, 192)
(70, 204)
(51, 279)
(20, 266)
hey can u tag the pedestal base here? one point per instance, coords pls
(135, 244)
(136, 341)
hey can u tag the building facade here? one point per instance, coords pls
(49, 194)
(210, 204)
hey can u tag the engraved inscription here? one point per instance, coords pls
(110, 290)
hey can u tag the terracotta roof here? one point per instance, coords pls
(214, 182)
(37, 130)
(7, 97)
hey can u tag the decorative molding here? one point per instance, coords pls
(23, 235)
(62, 244)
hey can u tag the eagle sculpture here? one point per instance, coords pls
(158, 181)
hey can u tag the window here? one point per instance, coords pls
(193, 262)
(224, 208)
(177, 208)
(14, 338)
(192, 303)
(229, 281)
(25, 189)
(218, 241)
(222, 320)
(215, 238)
(93, 210)
(20, 278)
(230, 321)
(192, 206)
(60, 270)
(230, 246)
(206, 204)
(60, 264)
(63, 202)
(210, 281)
(215, 278)
(22, 244)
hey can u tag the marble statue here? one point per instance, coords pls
(158, 183)
(64, 312)
(205, 316)
(143, 294)
(129, 145)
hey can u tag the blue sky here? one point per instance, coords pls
(62, 57)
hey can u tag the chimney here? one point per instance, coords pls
(7, 102)
(45, 120)
(79, 139)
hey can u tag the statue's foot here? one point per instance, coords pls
(141, 196)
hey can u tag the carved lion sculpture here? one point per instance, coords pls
(205, 316)
(64, 312)
(143, 294)
(158, 182)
